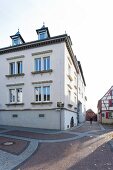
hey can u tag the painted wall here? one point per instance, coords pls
(57, 87)
(51, 119)
(67, 118)
(60, 85)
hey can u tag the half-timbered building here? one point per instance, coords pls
(105, 107)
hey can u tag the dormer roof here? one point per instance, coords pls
(17, 36)
(42, 30)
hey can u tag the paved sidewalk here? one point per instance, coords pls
(78, 148)
(87, 151)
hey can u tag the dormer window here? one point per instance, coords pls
(17, 39)
(43, 33)
(15, 42)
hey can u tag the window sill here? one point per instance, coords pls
(70, 105)
(41, 72)
(15, 75)
(14, 104)
(40, 103)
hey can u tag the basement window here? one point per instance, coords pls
(41, 115)
(14, 115)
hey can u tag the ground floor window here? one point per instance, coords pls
(110, 115)
(38, 94)
(103, 114)
(42, 93)
(15, 95)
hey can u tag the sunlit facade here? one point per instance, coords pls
(39, 83)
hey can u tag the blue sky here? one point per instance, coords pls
(88, 22)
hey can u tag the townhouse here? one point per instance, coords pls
(40, 82)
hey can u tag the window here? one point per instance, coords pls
(103, 114)
(38, 64)
(42, 65)
(15, 41)
(110, 115)
(110, 103)
(19, 67)
(42, 93)
(69, 70)
(79, 90)
(42, 35)
(19, 95)
(46, 63)
(41, 115)
(46, 93)
(69, 94)
(75, 100)
(16, 67)
(12, 95)
(38, 94)
(12, 68)
(15, 95)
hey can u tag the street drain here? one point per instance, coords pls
(7, 143)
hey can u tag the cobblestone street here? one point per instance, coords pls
(87, 147)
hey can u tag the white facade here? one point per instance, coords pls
(81, 96)
(18, 105)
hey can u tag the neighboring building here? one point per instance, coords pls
(91, 114)
(39, 82)
(105, 107)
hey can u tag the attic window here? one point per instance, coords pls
(42, 35)
(15, 41)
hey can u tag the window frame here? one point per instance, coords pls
(42, 93)
(12, 68)
(39, 95)
(15, 67)
(11, 95)
(46, 65)
(39, 64)
(19, 67)
(46, 88)
(15, 95)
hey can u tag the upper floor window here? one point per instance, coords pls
(16, 67)
(15, 95)
(69, 95)
(42, 64)
(12, 68)
(46, 63)
(37, 64)
(15, 41)
(19, 67)
(110, 102)
(42, 35)
(69, 70)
